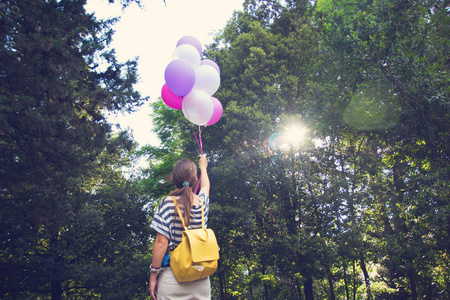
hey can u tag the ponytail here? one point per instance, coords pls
(186, 209)
(184, 177)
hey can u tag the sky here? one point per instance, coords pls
(151, 33)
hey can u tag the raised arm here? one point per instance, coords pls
(205, 185)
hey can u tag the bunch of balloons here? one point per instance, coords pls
(190, 83)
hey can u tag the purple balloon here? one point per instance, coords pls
(180, 77)
(170, 99)
(191, 41)
(217, 113)
(211, 63)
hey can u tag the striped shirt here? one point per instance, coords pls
(163, 220)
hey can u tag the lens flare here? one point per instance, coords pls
(294, 135)
(275, 141)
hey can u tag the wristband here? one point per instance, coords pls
(154, 270)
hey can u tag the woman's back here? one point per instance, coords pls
(167, 222)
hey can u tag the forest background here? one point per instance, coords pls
(358, 208)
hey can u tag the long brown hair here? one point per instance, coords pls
(184, 177)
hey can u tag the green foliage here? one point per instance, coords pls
(70, 222)
(372, 109)
(361, 210)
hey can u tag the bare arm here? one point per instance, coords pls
(205, 184)
(159, 250)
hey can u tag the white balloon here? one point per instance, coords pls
(188, 53)
(198, 107)
(211, 63)
(207, 79)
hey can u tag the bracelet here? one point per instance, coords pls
(154, 270)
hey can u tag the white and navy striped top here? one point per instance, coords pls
(163, 220)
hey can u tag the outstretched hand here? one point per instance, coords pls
(203, 162)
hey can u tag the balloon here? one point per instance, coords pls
(206, 79)
(211, 63)
(188, 53)
(170, 99)
(180, 77)
(217, 113)
(190, 40)
(198, 107)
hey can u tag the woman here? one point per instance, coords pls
(163, 284)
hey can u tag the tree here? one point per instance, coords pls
(369, 193)
(397, 48)
(254, 67)
(59, 171)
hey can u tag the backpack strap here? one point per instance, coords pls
(181, 215)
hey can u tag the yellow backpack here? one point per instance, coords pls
(197, 255)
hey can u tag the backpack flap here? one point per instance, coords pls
(203, 244)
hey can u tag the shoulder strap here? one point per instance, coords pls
(181, 215)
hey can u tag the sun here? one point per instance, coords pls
(295, 134)
(291, 137)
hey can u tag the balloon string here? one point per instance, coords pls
(199, 140)
(200, 145)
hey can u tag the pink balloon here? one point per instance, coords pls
(198, 107)
(217, 113)
(170, 99)
(211, 63)
(191, 41)
(180, 77)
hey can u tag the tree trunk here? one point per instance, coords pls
(366, 276)
(250, 289)
(308, 286)
(448, 234)
(299, 290)
(266, 289)
(55, 277)
(412, 283)
(354, 280)
(330, 282)
(222, 282)
(222, 286)
(56, 289)
(346, 283)
(448, 247)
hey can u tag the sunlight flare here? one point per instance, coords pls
(294, 134)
